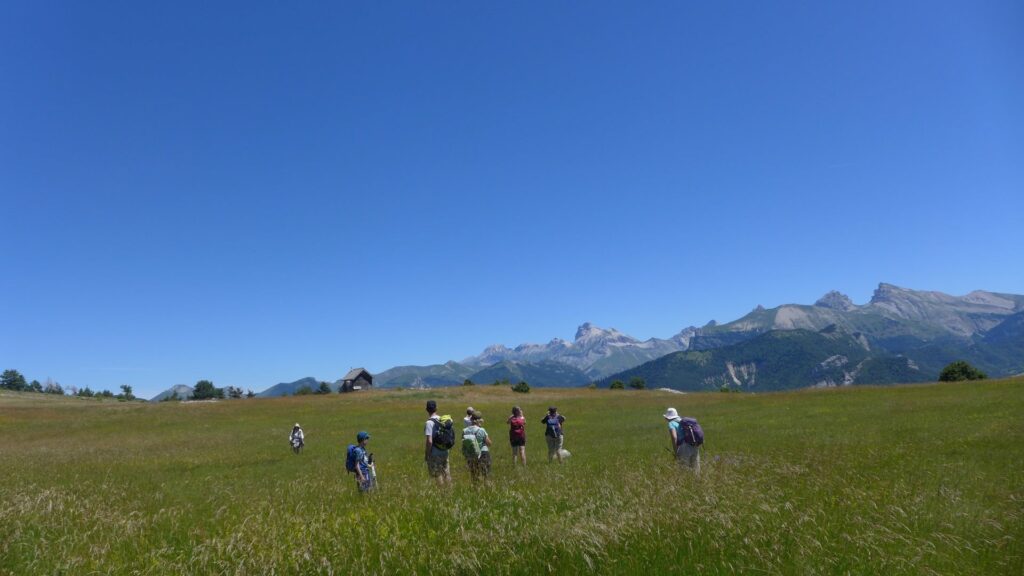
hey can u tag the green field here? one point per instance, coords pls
(907, 480)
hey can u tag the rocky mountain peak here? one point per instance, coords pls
(587, 331)
(886, 292)
(836, 300)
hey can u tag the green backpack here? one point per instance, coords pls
(470, 443)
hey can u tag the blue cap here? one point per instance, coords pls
(362, 436)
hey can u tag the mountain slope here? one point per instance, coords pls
(434, 375)
(545, 373)
(183, 391)
(290, 388)
(775, 360)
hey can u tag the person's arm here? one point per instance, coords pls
(359, 466)
(672, 435)
(487, 438)
(428, 429)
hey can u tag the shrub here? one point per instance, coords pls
(522, 387)
(617, 385)
(467, 382)
(960, 370)
(637, 383)
(205, 390)
(304, 391)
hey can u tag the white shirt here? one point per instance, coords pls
(428, 429)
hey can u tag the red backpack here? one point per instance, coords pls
(518, 428)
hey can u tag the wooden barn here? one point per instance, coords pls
(357, 379)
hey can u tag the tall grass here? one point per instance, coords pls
(910, 480)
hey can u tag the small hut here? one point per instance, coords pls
(356, 379)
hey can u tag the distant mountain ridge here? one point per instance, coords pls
(595, 351)
(898, 326)
(906, 335)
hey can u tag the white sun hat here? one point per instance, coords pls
(671, 414)
(297, 425)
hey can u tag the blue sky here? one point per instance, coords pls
(261, 191)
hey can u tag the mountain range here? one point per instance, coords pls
(906, 335)
(900, 335)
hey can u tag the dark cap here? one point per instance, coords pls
(431, 406)
(362, 436)
(552, 409)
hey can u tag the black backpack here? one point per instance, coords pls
(444, 433)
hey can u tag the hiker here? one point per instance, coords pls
(359, 462)
(440, 437)
(468, 420)
(553, 433)
(517, 435)
(687, 438)
(476, 447)
(297, 439)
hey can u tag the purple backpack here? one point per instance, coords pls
(690, 432)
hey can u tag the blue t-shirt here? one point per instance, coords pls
(553, 425)
(361, 460)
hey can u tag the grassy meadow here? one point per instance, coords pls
(908, 480)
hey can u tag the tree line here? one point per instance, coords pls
(14, 380)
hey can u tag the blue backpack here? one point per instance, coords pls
(690, 432)
(351, 459)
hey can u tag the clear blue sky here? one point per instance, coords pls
(257, 192)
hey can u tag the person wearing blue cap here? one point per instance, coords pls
(366, 476)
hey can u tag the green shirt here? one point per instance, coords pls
(481, 437)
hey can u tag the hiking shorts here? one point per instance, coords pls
(437, 463)
(366, 485)
(687, 455)
(517, 442)
(480, 467)
(554, 444)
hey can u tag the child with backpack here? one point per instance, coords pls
(517, 435)
(360, 463)
(687, 437)
(553, 434)
(476, 448)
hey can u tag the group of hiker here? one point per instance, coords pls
(685, 434)
(440, 439)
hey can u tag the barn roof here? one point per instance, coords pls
(354, 373)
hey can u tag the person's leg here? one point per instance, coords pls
(522, 454)
(561, 441)
(485, 464)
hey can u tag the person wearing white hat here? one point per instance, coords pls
(686, 454)
(673, 429)
(297, 438)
